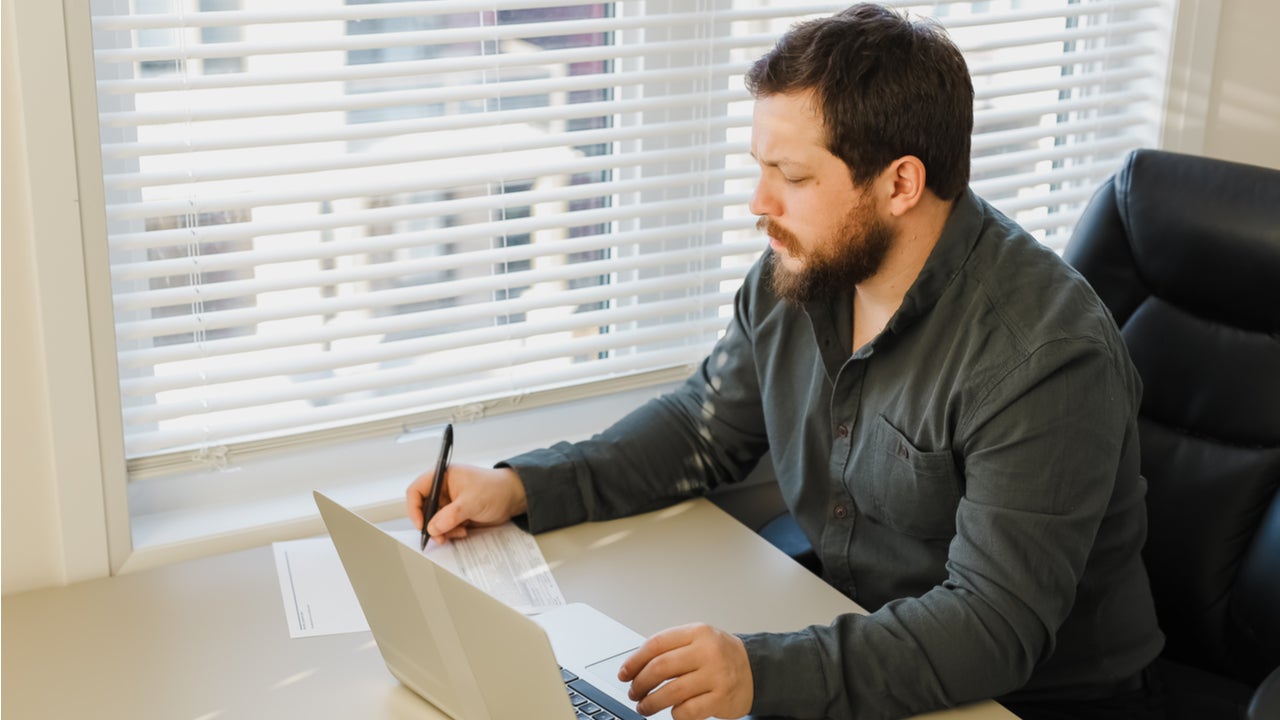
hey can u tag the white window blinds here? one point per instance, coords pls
(331, 214)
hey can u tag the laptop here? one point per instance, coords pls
(469, 654)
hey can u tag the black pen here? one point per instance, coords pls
(431, 503)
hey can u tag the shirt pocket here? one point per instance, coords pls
(907, 489)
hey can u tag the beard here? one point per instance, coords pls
(853, 253)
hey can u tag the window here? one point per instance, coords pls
(353, 217)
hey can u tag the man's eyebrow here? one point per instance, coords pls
(779, 161)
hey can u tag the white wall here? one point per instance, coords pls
(54, 527)
(45, 345)
(32, 540)
(1244, 100)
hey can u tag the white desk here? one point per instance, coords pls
(208, 639)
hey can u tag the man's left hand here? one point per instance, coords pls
(696, 670)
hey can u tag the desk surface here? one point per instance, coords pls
(208, 638)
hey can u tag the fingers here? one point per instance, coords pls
(470, 496)
(658, 659)
(448, 522)
(683, 695)
(415, 494)
(696, 670)
(694, 707)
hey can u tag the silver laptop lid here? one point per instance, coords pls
(460, 649)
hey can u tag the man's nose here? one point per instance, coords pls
(762, 201)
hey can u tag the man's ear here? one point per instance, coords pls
(905, 180)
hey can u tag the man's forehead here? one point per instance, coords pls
(785, 130)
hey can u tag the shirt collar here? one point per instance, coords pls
(959, 235)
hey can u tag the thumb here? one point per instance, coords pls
(447, 518)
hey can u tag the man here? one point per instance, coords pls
(951, 414)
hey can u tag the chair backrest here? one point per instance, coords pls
(1185, 251)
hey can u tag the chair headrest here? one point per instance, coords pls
(1220, 219)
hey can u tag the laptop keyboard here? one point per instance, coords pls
(591, 703)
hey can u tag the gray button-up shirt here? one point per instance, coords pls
(970, 476)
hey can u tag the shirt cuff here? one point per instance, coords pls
(786, 675)
(551, 487)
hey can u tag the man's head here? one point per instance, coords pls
(857, 117)
(885, 87)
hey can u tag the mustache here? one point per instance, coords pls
(775, 231)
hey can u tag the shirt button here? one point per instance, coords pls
(842, 431)
(841, 512)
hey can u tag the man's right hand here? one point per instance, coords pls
(471, 496)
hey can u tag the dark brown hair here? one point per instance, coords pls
(887, 87)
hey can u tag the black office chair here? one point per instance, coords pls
(1185, 251)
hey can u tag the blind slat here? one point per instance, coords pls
(188, 294)
(456, 150)
(576, 323)
(996, 140)
(407, 323)
(402, 128)
(1090, 32)
(343, 13)
(1077, 82)
(417, 69)
(224, 18)
(1017, 160)
(439, 369)
(1054, 199)
(333, 278)
(1055, 221)
(253, 425)
(524, 31)
(999, 117)
(1111, 54)
(461, 233)
(442, 36)
(1000, 191)
(366, 185)
(427, 96)
(219, 319)
(1077, 10)
(391, 242)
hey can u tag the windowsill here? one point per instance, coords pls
(205, 512)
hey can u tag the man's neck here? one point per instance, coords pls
(879, 296)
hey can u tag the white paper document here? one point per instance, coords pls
(504, 561)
